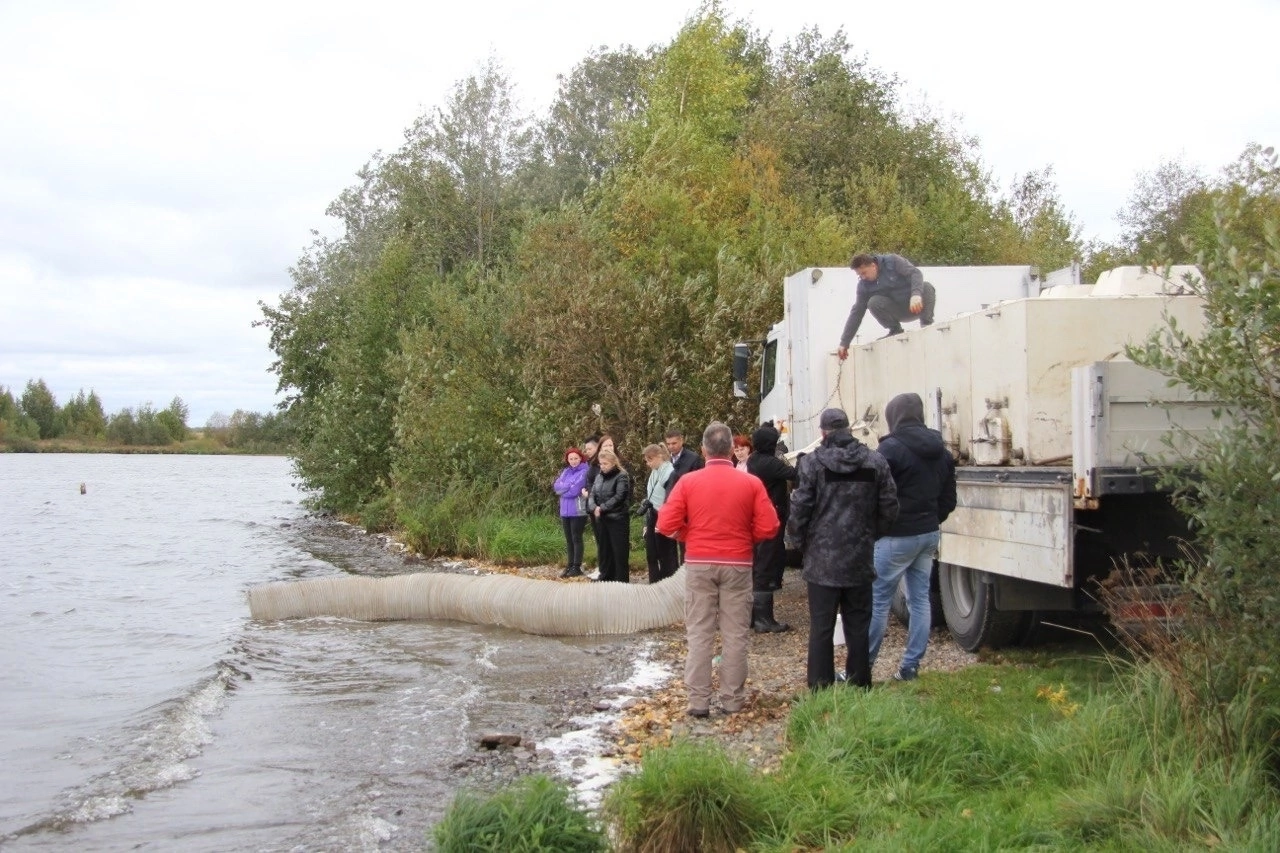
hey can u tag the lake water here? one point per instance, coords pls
(143, 709)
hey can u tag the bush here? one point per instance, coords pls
(534, 814)
(690, 796)
(1230, 644)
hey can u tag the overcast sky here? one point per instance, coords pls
(161, 163)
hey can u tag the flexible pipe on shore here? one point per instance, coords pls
(534, 606)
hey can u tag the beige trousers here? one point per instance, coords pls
(717, 594)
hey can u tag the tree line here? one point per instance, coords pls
(35, 415)
(504, 284)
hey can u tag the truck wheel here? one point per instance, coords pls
(898, 605)
(969, 605)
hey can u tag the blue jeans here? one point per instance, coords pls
(895, 556)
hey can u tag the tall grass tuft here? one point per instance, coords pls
(533, 815)
(465, 520)
(690, 796)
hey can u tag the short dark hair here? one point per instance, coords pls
(863, 260)
(673, 433)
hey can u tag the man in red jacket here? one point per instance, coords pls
(719, 513)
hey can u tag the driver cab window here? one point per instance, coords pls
(768, 370)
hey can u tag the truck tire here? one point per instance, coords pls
(898, 605)
(969, 604)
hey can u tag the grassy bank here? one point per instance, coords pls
(492, 527)
(1031, 753)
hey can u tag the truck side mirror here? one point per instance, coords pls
(741, 363)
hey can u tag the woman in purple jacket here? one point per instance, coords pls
(569, 486)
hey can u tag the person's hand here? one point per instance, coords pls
(917, 304)
(585, 493)
(597, 512)
(843, 353)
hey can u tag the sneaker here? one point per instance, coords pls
(892, 333)
(906, 675)
(842, 677)
(573, 572)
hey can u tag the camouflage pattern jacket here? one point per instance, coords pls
(845, 500)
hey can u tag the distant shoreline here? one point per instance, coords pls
(194, 447)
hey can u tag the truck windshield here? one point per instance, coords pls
(768, 370)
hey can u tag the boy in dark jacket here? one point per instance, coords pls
(925, 475)
(845, 500)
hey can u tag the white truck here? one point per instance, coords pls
(1055, 433)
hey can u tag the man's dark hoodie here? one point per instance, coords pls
(922, 468)
(844, 501)
(771, 470)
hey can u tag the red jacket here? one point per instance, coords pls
(720, 513)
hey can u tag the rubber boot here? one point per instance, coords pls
(762, 621)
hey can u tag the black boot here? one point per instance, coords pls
(762, 621)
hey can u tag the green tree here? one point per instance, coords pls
(577, 143)
(481, 139)
(1169, 216)
(13, 423)
(1231, 497)
(83, 416)
(173, 420)
(38, 403)
(8, 410)
(496, 278)
(122, 427)
(1042, 232)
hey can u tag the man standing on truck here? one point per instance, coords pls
(846, 498)
(721, 514)
(893, 290)
(925, 475)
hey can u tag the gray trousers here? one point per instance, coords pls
(891, 313)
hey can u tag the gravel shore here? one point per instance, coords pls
(606, 729)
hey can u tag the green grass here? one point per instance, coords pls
(1040, 751)
(1030, 754)
(464, 523)
(534, 814)
(688, 797)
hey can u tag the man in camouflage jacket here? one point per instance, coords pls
(846, 498)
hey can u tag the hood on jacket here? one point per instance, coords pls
(904, 408)
(841, 452)
(765, 440)
(905, 416)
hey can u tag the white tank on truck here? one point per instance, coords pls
(1057, 436)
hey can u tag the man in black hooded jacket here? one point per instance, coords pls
(845, 499)
(771, 556)
(925, 475)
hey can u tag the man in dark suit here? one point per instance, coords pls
(682, 462)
